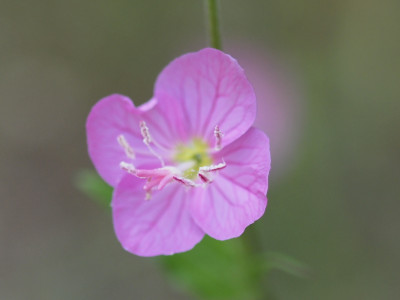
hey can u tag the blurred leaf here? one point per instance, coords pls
(92, 185)
(216, 270)
(285, 263)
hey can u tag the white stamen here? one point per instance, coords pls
(159, 178)
(125, 145)
(147, 140)
(127, 167)
(213, 168)
(204, 172)
(218, 138)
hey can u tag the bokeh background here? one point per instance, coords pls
(326, 75)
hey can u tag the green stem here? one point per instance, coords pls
(254, 247)
(213, 24)
(250, 238)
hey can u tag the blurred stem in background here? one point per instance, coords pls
(213, 24)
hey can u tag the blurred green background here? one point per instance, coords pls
(335, 207)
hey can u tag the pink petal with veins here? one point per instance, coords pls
(159, 226)
(200, 90)
(236, 198)
(111, 117)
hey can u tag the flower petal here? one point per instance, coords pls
(236, 198)
(200, 90)
(111, 117)
(161, 225)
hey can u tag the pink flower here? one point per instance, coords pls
(186, 163)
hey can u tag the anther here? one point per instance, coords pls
(147, 140)
(128, 167)
(204, 172)
(144, 130)
(218, 138)
(213, 168)
(125, 145)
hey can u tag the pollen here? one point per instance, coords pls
(197, 152)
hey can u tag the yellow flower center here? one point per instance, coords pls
(195, 152)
